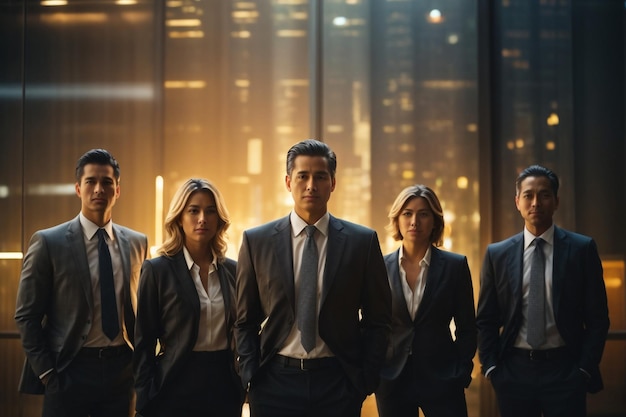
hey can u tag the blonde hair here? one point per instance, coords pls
(174, 236)
(409, 193)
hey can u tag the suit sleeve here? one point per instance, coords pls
(146, 334)
(34, 295)
(465, 319)
(595, 316)
(488, 317)
(249, 314)
(376, 315)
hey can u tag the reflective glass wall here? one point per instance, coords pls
(455, 94)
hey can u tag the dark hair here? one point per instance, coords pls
(538, 171)
(312, 147)
(408, 194)
(99, 157)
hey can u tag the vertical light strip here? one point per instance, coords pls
(158, 215)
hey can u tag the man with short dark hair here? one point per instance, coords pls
(542, 310)
(321, 361)
(75, 302)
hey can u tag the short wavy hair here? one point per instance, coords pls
(409, 193)
(174, 235)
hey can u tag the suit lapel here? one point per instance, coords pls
(124, 246)
(397, 291)
(222, 273)
(283, 256)
(559, 262)
(515, 270)
(335, 248)
(182, 273)
(433, 281)
(76, 245)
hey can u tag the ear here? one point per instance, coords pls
(517, 202)
(77, 188)
(288, 182)
(332, 187)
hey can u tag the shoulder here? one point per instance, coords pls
(562, 234)
(130, 233)
(448, 256)
(506, 244)
(230, 265)
(270, 227)
(350, 227)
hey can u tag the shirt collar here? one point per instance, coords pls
(425, 259)
(90, 228)
(547, 236)
(190, 262)
(298, 225)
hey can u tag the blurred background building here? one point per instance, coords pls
(455, 94)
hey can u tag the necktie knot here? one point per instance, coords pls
(310, 230)
(539, 243)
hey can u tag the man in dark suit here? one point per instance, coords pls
(542, 352)
(351, 323)
(85, 370)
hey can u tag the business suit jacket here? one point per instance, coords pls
(440, 361)
(578, 298)
(55, 285)
(354, 278)
(168, 309)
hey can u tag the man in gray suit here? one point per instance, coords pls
(325, 363)
(82, 369)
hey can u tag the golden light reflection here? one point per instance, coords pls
(462, 182)
(553, 119)
(185, 84)
(183, 22)
(550, 145)
(54, 3)
(11, 255)
(186, 34)
(519, 143)
(435, 16)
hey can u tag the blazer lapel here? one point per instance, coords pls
(335, 248)
(433, 281)
(283, 256)
(181, 272)
(397, 291)
(227, 293)
(76, 245)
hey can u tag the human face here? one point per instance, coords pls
(199, 219)
(416, 222)
(310, 184)
(536, 203)
(98, 191)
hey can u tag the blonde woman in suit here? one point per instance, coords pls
(426, 366)
(186, 308)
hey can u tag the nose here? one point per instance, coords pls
(310, 185)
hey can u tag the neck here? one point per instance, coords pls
(199, 253)
(414, 252)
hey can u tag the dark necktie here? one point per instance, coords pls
(536, 335)
(307, 294)
(110, 321)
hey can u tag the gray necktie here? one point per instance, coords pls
(307, 294)
(536, 335)
(110, 321)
